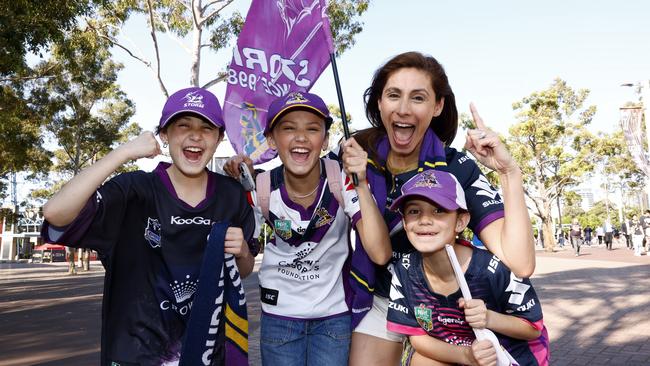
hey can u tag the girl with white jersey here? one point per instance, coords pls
(304, 287)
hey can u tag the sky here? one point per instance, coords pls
(495, 53)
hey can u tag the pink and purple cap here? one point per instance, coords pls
(192, 100)
(437, 186)
(297, 100)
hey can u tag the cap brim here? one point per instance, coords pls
(441, 201)
(282, 111)
(192, 111)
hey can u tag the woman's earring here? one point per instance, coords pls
(165, 144)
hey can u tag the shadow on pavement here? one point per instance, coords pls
(597, 315)
(594, 316)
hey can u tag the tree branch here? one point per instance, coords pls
(155, 43)
(171, 35)
(210, 3)
(126, 49)
(213, 13)
(218, 79)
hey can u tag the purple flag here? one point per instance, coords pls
(283, 47)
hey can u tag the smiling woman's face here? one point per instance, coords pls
(407, 106)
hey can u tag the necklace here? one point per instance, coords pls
(397, 171)
(303, 196)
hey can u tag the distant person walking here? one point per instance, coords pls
(645, 224)
(637, 235)
(576, 236)
(69, 255)
(625, 230)
(588, 231)
(609, 234)
(600, 233)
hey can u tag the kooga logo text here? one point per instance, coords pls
(177, 220)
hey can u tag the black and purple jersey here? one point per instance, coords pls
(151, 244)
(414, 309)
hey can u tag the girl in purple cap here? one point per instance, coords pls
(304, 275)
(413, 112)
(150, 229)
(426, 303)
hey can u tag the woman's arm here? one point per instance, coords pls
(372, 227)
(510, 237)
(66, 204)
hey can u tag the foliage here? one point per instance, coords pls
(30, 26)
(21, 146)
(86, 111)
(552, 145)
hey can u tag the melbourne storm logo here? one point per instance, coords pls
(193, 99)
(152, 232)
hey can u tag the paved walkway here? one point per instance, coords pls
(596, 309)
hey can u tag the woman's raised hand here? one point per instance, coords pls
(486, 146)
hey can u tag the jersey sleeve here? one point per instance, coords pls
(484, 203)
(400, 318)
(352, 207)
(99, 223)
(514, 296)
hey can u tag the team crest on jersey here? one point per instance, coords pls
(423, 316)
(283, 228)
(323, 216)
(427, 180)
(152, 232)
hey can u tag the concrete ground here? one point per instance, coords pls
(595, 308)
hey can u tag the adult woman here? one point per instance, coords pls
(412, 109)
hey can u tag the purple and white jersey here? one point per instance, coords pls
(304, 273)
(414, 309)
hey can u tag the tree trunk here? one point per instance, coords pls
(196, 46)
(549, 238)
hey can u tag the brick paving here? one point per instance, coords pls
(595, 308)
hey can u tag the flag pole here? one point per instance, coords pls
(330, 47)
(344, 117)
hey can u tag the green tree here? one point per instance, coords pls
(31, 26)
(617, 165)
(208, 25)
(552, 146)
(85, 108)
(28, 28)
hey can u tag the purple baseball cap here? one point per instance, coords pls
(297, 100)
(442, 188)
(192, 100)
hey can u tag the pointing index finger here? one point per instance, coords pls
(476, 117)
